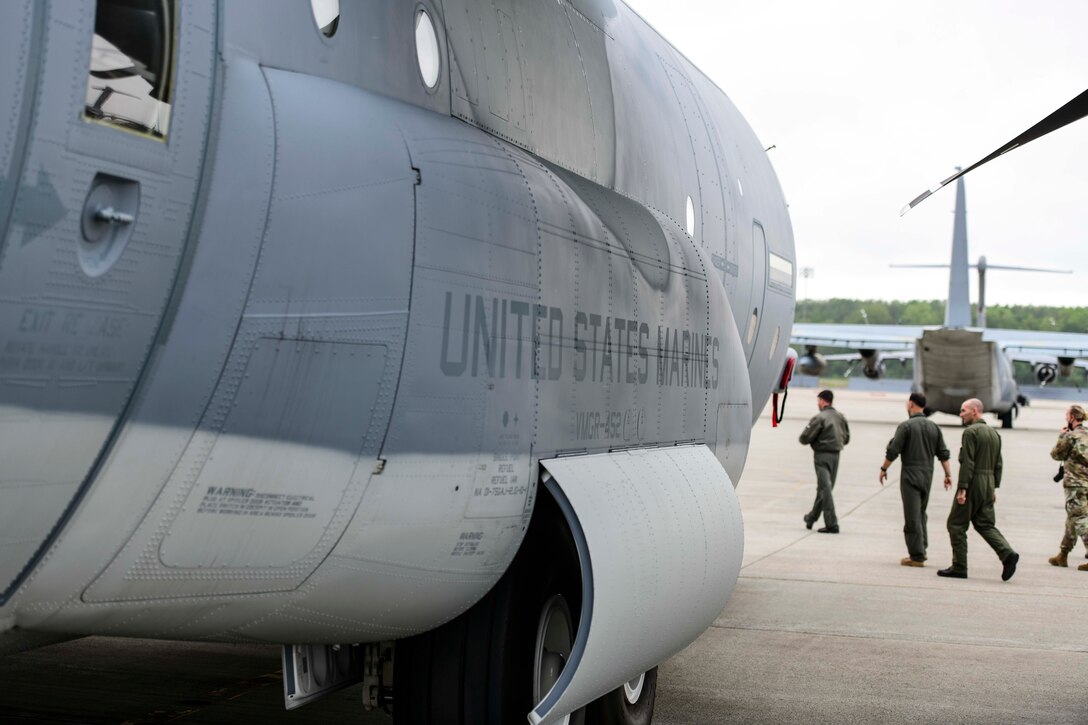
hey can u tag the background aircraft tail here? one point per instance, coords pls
(957, 310)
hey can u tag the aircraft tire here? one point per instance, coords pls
(478, 669)
(616, 707)
(1005, 418)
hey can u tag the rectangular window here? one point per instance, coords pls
(781, 271)
(131, 76)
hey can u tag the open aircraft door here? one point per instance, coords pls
(660, 541)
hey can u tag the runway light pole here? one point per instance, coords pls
(806, 273)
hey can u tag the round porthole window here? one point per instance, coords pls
(326, 15)
(427, 49)
(691, 217)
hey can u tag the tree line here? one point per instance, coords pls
(931, 312)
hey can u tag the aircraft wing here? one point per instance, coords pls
(858, 337)
(1036, 346)
(1019, 344)
(900, 355)
(1042, 359)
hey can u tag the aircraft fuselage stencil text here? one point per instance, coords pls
(549, 343)
(250, 502)
(593, 425)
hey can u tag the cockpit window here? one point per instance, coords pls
(781, 271)
(130, 84)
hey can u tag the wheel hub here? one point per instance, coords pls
(554, 642)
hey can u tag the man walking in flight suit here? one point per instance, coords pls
(827, 433)
(980, 476)
(918, 440)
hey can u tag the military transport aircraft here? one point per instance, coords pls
(423, 338)
(954, 361)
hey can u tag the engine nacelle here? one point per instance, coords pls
(1045, 373)
(871, 364)
(1065, 366)
(812, 362)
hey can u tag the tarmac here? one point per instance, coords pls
(831, 628)
(820, 629)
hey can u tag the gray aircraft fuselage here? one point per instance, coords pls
(279, 361)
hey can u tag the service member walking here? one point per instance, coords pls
(918, 440)
(980, 476)
(1072, 451)
(827, 433)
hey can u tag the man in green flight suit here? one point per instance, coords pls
(827, 433)
(980, 476)
(918, 440)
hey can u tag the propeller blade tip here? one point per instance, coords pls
(916, 201)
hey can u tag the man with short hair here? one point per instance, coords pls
(918, 440)
(980, 476)
(827, 433)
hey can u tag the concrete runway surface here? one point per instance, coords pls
(831, 628)
(821, 628)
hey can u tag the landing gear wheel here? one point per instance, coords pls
(554, 643)
(630, 704)
(495, 662)
(1005, 418)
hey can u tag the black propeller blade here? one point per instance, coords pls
(1072, 111)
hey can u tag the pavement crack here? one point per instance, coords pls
(934, 586)
(883, 637)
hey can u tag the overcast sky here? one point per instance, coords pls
(870, 103)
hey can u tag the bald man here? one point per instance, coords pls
(979, 478)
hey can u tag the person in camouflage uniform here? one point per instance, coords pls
(976, 493)
(918, 440)
(1072, 450)
(827, 433)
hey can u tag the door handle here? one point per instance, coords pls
(110, 215)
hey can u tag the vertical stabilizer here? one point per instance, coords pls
(957, 312)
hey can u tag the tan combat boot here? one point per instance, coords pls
(1062, 559)
(1082, 567)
